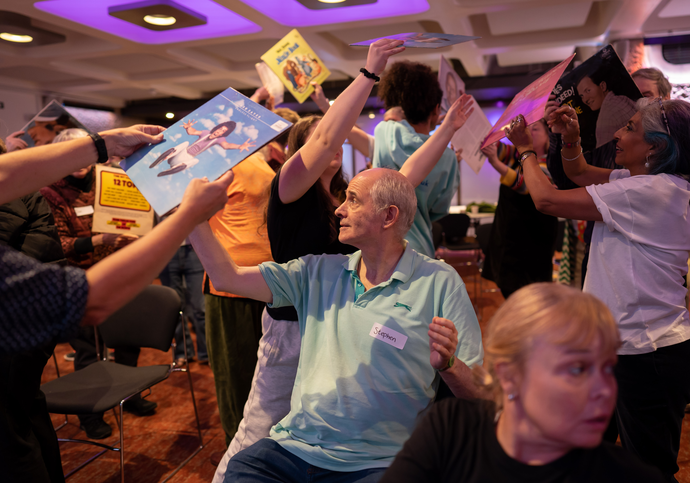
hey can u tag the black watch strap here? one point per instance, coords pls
(100, 148)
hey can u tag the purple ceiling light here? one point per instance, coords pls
(221, 22)
(294, 14)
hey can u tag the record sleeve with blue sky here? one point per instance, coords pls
(206, 143)
(422, 40)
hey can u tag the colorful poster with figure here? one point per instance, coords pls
(603, 95)
(296, 65)
(119, 207)
(48, 123)
(422, 40)
(529, 102)
(470, 136)
(451, 84)
(207, 143)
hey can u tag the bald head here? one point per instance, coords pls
(390, 188)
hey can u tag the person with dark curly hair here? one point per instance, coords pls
(414, 88)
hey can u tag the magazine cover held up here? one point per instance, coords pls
(211, 140)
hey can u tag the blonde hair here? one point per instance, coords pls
(564, 315)
(69, 135)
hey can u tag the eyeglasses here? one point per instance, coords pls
(663, 113)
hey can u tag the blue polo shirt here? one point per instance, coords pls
(364, 373)
(394, 143)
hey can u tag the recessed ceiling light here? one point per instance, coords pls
(372, 115)
(15, 37)
(170, 115)
(162, 20)
(331, 1)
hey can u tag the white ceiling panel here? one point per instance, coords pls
(675, 8)
(534, 56)
(543, 17)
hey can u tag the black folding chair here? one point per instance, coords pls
(147, 321)
(455, 227)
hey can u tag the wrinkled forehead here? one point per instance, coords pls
(362, 183)
(592, 344)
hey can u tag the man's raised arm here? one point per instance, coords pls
(223, 271)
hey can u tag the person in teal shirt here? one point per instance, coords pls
(414, 88)
(379, 329)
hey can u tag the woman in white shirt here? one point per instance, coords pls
(638, 260)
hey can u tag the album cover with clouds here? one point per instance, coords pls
(208, 142)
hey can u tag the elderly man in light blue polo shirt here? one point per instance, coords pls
(378, 327)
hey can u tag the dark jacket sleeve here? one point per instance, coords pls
(40, 237)
(27, 225)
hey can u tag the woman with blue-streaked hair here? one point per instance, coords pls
(638, 260)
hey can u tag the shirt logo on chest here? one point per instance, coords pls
(398, 304)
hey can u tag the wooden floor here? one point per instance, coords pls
(155, 445)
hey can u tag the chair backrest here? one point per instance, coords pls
(483, 233)
(149, 320)
(455, 227)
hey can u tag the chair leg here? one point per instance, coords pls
(57, 369)
(198, 426)
(196, 411)
(189, 377)
(117, 419)
(122, 445)
(62, 425)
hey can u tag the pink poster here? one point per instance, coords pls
(529, 102)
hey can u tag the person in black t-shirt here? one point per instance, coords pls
(550, 352)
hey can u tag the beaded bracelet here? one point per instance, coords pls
(570, 145)
(571, 159)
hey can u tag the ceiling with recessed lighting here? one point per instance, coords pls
(103, 52)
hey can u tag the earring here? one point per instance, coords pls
(646, 165)
(511, 397)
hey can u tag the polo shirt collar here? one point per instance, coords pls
(402, 272)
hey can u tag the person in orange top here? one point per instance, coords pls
(233, 323)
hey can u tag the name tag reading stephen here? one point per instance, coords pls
(389, 336)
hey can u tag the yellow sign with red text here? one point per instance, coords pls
(118, 191)
(119, 206)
